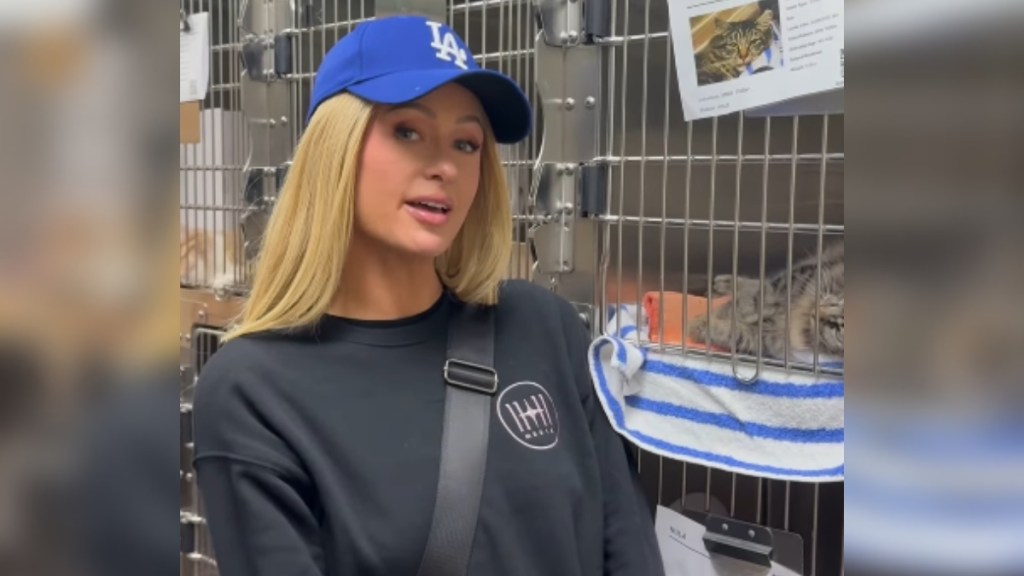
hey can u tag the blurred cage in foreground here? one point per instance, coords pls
(657, 205)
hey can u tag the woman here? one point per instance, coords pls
(319, 424)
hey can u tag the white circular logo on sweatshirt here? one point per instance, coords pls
(528, 413)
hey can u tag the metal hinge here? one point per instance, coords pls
(259, 203)
(560, 21)
(565, 192)
(255, 194)
(280, 174)
(255, 52)
(268, 58)
(569, 82)
(573, 22)
(187, 523)
(186, 444)
(555, 205)
(187, 376)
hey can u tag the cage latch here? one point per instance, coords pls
(597, 19)
(283, 47)
(593, 189)
(740, 540)
(268, 58)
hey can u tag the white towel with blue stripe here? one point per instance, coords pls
(781, 426)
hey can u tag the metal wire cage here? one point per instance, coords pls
(687, 201)
(212, 188)
(681, 202)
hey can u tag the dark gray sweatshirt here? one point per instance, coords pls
(317, 452)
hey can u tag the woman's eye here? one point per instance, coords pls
(467, 146)
(403, 133)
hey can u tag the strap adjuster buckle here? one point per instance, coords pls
(471, 376)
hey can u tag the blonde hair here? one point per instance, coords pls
(308, 234)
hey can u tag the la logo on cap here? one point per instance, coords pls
(447, 48)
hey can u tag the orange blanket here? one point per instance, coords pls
(671, 303)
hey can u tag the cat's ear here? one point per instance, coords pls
(722, 284)
(721, 25)
(765, 18)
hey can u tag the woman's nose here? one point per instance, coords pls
(442, 168)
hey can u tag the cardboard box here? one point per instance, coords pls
(188, 122)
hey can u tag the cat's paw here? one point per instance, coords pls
(697, 329)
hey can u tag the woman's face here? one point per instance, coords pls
(419, 173)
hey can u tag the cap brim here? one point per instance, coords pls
(507, 107)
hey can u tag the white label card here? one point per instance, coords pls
(194, 58)
(733, 55)
(681, 541)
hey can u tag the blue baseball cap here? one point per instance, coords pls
(397, 59)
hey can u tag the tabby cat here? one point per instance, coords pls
(806, 302)
(734, 45)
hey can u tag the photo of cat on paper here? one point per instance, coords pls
(736, 42)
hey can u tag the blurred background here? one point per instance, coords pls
(89, 307)
(935, 195)
(88, 299)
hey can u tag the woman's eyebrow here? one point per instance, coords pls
(427, 111)
(415, 106)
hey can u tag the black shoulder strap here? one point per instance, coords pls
(471, 382)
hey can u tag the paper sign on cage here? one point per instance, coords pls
(736, 55)
(194, 58)
(699, 544)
